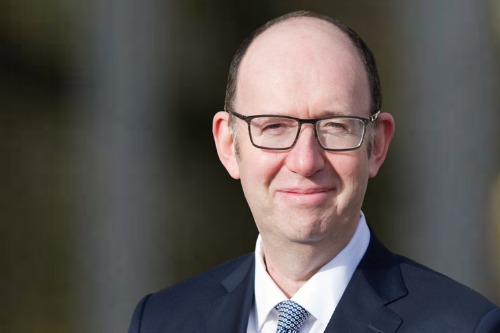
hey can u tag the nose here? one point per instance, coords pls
(306, 157)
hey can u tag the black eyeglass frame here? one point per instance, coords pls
(366, 121)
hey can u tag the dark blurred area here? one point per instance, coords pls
(111, 187)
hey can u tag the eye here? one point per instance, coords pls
(274, 126)
(275, 129)
(335, 126)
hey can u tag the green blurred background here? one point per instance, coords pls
(110, 184)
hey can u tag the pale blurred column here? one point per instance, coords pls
(495, 205)
(447, 141)
(120, 169)
(496, 195)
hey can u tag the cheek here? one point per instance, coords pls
(257, 173)
(258, 168)
(353, 171)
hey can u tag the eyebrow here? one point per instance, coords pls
(328, 113)
(322, 114)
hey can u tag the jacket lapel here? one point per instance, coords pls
(230, 312)
(376, 282)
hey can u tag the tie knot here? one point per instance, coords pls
(291, 317)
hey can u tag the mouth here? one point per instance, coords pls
(315, 195)
(305, 191)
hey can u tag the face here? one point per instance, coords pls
(304, 68)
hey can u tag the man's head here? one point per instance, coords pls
(303, 67)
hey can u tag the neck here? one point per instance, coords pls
(291, 265)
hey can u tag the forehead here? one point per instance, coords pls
(303, 65)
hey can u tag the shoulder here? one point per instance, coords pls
(434, 298)
(175, 305)
(202, 287)
(422, 280)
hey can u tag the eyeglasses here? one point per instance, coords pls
(335, 133)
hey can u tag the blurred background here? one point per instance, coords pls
(111, 187)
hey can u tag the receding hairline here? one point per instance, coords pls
(342, 39)
(298, 21)
(363, 51)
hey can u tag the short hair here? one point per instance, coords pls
(363, 50)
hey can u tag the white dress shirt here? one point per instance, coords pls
(319, 295)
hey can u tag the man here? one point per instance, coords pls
(303, 133)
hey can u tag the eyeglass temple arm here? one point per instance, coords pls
(237, 114)
(373, 117)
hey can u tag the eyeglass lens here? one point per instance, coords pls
(280, 133)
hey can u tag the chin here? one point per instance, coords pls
(309, 230)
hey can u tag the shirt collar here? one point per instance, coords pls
(267, 293)
(321, 294)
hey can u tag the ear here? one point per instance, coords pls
(383, 135)
(225, 144)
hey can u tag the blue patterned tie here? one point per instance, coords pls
(292, 316)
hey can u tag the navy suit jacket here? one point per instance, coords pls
(387, 293)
